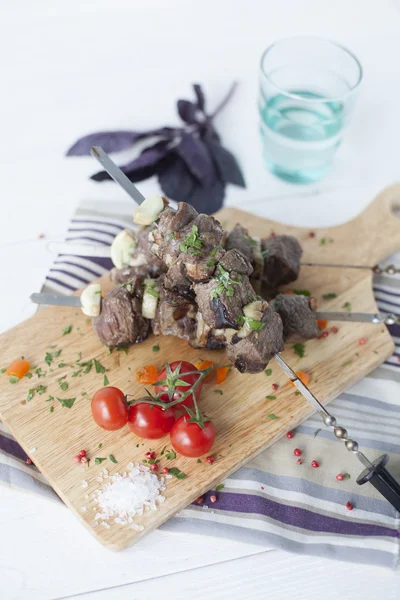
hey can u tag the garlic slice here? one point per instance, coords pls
(148, 211)
(122, 248)
(150, 299)
(91, 300)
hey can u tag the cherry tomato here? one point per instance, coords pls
(150, 422)
(189, 439)
(18, 368)
(178, 370)
(109, 408)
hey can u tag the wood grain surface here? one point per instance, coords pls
(240, 414)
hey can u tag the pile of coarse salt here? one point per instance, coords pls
(129, 495)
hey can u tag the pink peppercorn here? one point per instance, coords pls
(362, 341)
(315, 464)
(82, 453)
(213, 498)
(339, 477)
(311, 234)
(210, 460)
(77, 459)
(273, 234)
(297, 452)
(325, 334)
(275, 386)
(349, 505)
(290, 435)
(334, 329)
(299, 461)
(165, 470)
(150, 455)
(84, 459)
(154, 467)
(199, 500)
(28, 461)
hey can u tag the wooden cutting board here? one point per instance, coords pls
(240, 414)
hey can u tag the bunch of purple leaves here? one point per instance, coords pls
(190, 162)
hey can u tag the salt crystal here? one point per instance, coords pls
(84, 484)
(32, 450)
(105, 524)
(130, 466)
(83, 508)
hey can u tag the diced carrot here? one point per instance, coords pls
(304, 377)
(147, 375)
(204, 364)
(322, 324)
(287, 292)
(221, 374)
(18, 368)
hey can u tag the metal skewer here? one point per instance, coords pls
(116, 173)
(56, 299)
(374, 472)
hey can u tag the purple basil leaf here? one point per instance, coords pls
(110, 141)
(207, 200)
(175, 179)
(197, 158)
(225, 162)
(201, 99)
(187, 111)
(142, 167)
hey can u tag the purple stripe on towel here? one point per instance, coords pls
(12, 447)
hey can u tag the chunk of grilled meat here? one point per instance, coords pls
(120, 322)
(252, 353)
(239, 239)
(297, 314)
(189, 244)
(221, 299)
(176, 314)
(281, 260)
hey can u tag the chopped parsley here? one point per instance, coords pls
(51, 409)
(302, 292)
(270, 397)
(61, 365)
(347, 363)
(299, 349)
(113, 459)
(171, 235)
(39, 372)
(67, 329)
(63, 385)
(156, 348)
(67, 402)
(198, 461)
(347, 306)
(151, 288)
(192, 242)
(98, 366)
(268, 372)
(212, 261)
(76, 373)
(346, 475)
(220, 392)
(225, 283)
(50, 399)
(48, 359)
(251, 323)
(39, 389)
(98, 461)
(219, 487)
(99, 445)
(329, 296)
(13, 379)
(177, 473)
(105, 380)
(297, 393)
(316, 432)
(170, 454)
(84, 394)
(272, 417)
(124, 349)
(28, 375)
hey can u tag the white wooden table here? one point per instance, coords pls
(71, 67)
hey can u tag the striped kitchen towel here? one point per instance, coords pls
(272, 500)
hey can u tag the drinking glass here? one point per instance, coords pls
(308, 88)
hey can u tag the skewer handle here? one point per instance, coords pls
(382, 480)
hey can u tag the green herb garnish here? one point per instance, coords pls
(177, 473)
(302, 292)
(112, 458)
(84, 394)
(270, 397)
(272, 417)
(192, 242)
(67, 402)
(268, 372)
(170, 454)
(51, 409)
(297, 393)
(346, 475)
(225, 283)
(347, 363)
(299, 349)
(105, 380)
(219, 487)
(48, 359)
(329, 296)
(347, 306)
(124, 349)
(171, 235)
(98, 461)
(39, 389)
(13, 379)
(98, 366)
(251, 323)
(220, 392)
(76, 373)
(28, 375)
(100, 445)
(316, 432)
(151, 288)
(198, 461)
(39, 372)
(156, 348)
(50, 399)
(67, 329)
